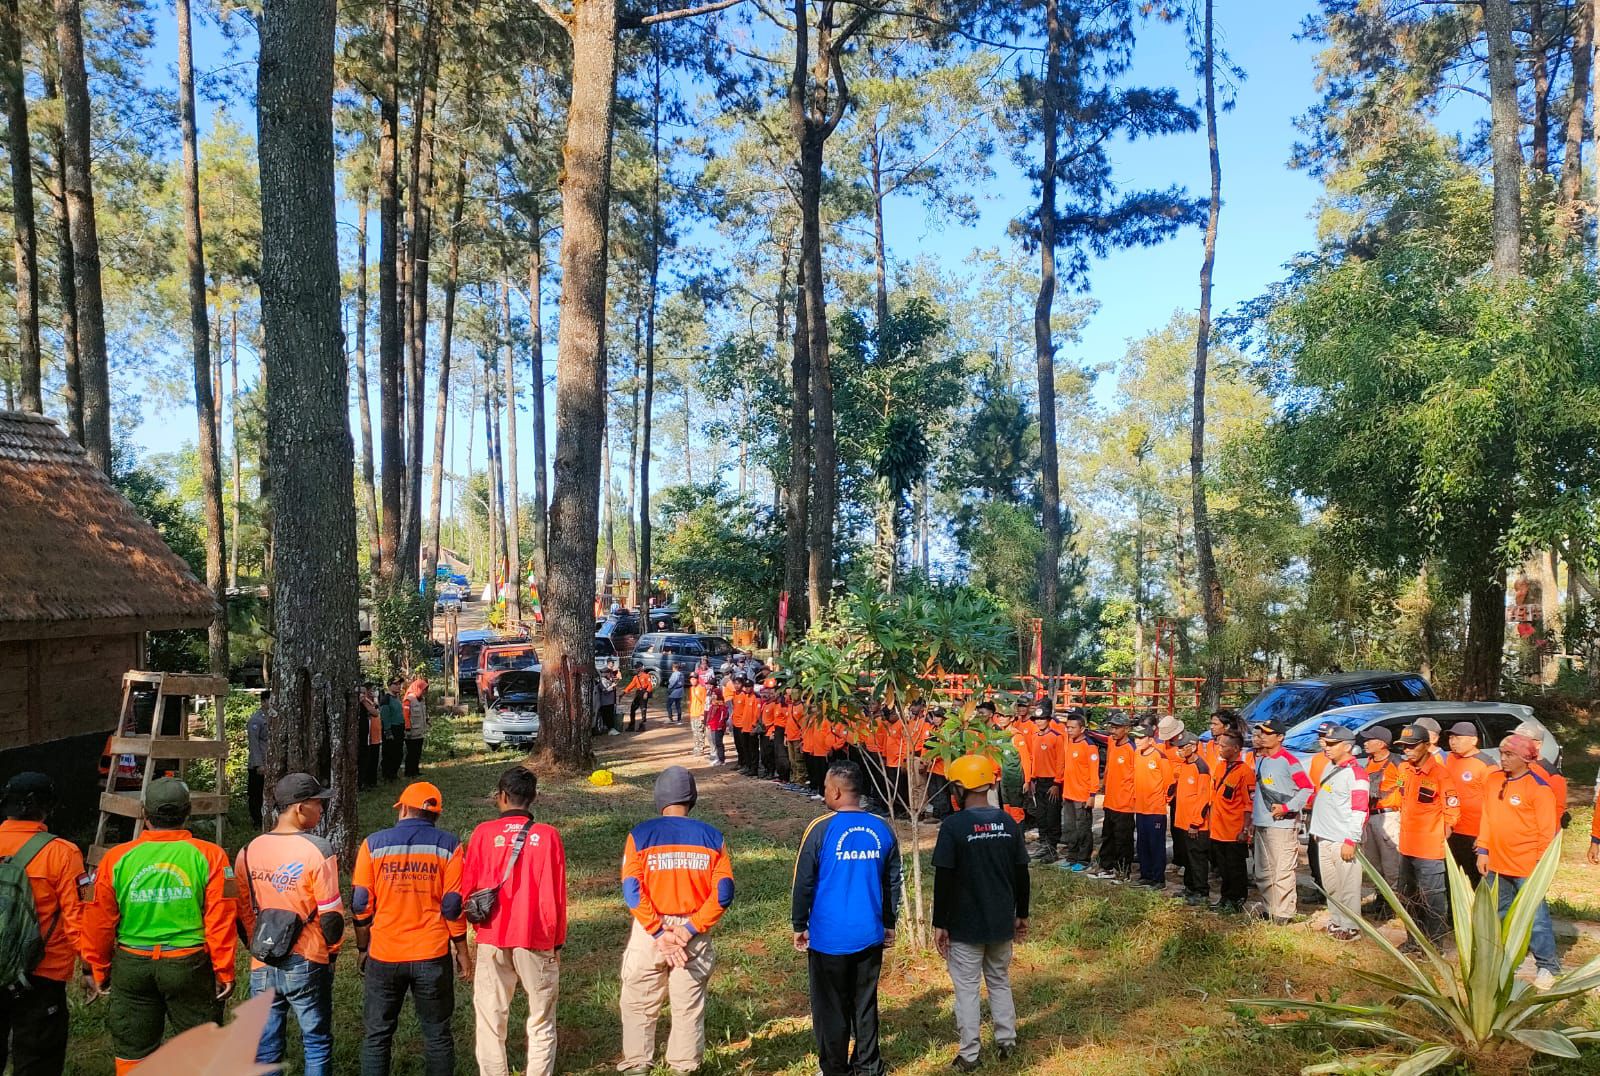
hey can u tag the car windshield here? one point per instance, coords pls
(603, 648)
(512, 659)
(1284, 702)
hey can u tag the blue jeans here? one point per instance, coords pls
(674, 707)
(1150, 832)
(304, 987)
(1543, 942)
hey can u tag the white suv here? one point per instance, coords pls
(511, 712)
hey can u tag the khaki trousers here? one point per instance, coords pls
(648, 981)
(1277, 854)
(494, 982)
(1381, 845)
(1342, 882)
(970, 967)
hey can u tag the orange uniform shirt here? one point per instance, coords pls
(1080, 770)
(1429, 807)
(890, 743)
(405, 888)
(1233, 785)
(745, 714)
(1314, 770)
(1119, 776)
(1471, 775)
(297, 872)
(55, 875)
(1043, 754)
(697, 699)
(1519, 822)
(1152, 782)
(1193, 796)
(676, 870)
(1384, 790)
(1557, 783)
(641, 682)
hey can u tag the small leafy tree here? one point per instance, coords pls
(874, 656)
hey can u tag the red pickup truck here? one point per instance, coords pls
(497, 658)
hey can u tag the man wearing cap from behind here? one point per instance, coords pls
(677, 881)
(1281, 793)
(1338, 821)
(159, 934)
(409, 926)
(292, 918)
(33, 1022)
(980, 907)
(1470, 769)
(1519, 822)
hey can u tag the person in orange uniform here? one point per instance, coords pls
(677, 881)
(34, 1021)
(1080, 780)
(1152, 789)
(639, 687)
(744, 720)
(1116, 824)
(159, 934)
(1553, 777)
(372, 748)
(1381, 842)
(1470, 769)
(1192, 805)
(1233, 785)
(1519, 822)
(409, 925)
(889, 743)
(1429, 809)
(699, 693)
(1043, 757)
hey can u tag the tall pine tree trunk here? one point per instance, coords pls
(1043, 344)
(24, 237)
(389, 343)
(205, 400)
(1211, 597)
(419, 194)
(1572, 154)
(313, 717)
(491, 456)
(66, 287)
(91, 334)
(566, 688)
(369, 493)
(541, 492)
(238, 466)
(441, 401)
(652, 297)
(513, 501)
(796, 511)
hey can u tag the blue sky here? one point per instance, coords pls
(1267, 215)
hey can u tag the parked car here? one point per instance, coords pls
(662, 618)
(511, 710)
(661, 652)
(448, 599)
(1294, 701)
(497, 659)
(469, 645)
(1495, 721)
(605, 655)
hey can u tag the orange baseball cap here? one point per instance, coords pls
(422, 795)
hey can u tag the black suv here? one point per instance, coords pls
(1293, 701)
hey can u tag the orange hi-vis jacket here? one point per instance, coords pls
(641, 682)
(1519, 822)
(1557, 783)
(165, 893)
(1043, 754)
(1119, 776)
(813, 733)
(891, 743)
(1429, 807)
(1233, 786)
(296, 872)
(1471, 775)
(1080, 770)
(1383, 792)
(744, 712)
(1152, 781)
(676, 871)
(54, 874)
(1193, 798)
(406, 888)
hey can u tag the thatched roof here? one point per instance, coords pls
(75, 557)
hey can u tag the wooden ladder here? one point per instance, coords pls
(153, 747)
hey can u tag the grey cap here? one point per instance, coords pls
(1428, 723)
(1341, 734)
(1377, 732)
(1185, 739)
(674, 787)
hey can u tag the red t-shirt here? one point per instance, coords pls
(531, 912)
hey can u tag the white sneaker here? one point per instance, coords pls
(613, 732)
(1544, 980)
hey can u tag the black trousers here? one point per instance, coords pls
(844, 1005)
(1196, 863)
(394, 751)
(1316, 860)
(1116, 841)
(1229, 858)
(1047, 809)
(816, 770)
(432, 986)
(371, 753)
(33, 1028)
(1461, 850)
(939, 799)
(1077, 831)
(256, 787)
(641, 702)
(1180, 845)
(766, 758)
(775, 751)
(413, 756)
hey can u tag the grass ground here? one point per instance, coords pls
(1111, 982)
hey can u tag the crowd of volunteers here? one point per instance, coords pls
(157, 925)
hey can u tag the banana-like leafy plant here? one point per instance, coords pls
(1463, 1008)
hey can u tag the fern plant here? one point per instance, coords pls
(1467, 1008)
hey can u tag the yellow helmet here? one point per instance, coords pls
(600, 778)
(972, 772)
